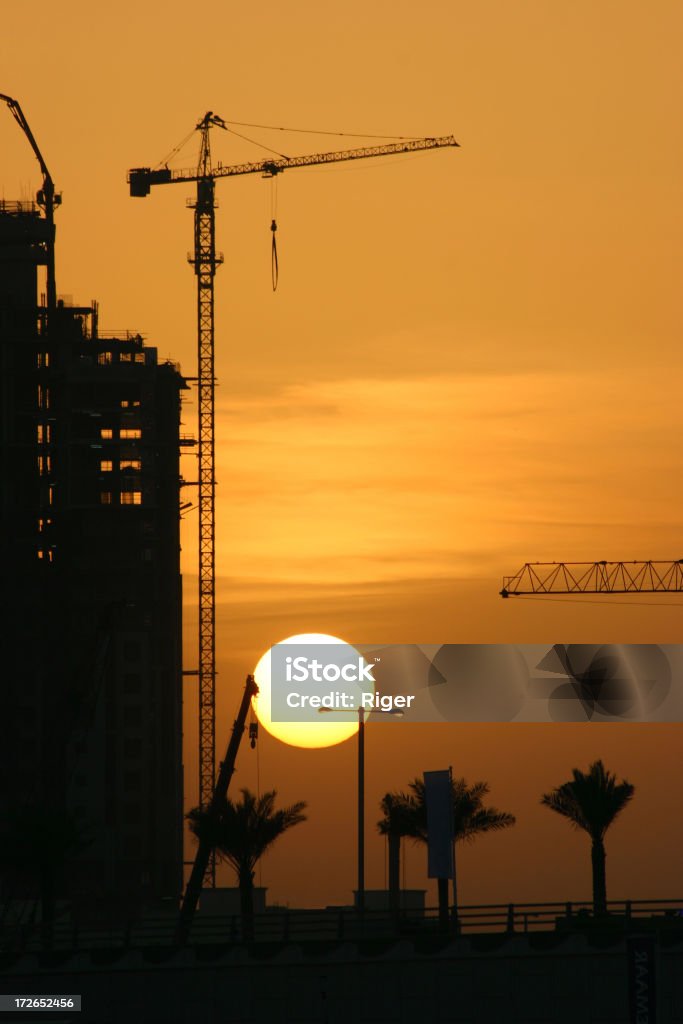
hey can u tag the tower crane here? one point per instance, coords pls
(205, 261)
(595, 578)
(47, 199)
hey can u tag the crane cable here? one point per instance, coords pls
(274, 269)
(315, 131)
(254, 142)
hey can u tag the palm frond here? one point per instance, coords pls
(401, 815)
(592, 800)
(470, 816)
(245, 829)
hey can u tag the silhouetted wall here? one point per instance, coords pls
(547, 978)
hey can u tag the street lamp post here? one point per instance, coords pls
(360, 896)
(360, 891)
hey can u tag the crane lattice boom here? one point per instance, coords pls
(141, 179)
(595, 578)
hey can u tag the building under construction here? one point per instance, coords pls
(90, 699)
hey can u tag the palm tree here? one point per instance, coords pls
(399, 820)
(244, 831)
(591, 802)
(470, 817)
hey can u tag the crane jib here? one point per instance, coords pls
(141, 179)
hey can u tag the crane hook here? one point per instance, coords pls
(273, 258)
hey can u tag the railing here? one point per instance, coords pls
(18, 206)
(281, 925)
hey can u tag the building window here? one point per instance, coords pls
(132, 650)
(131, 464)
(131, 782)
(130, 433)
(106, 433)
(104, 357)
(124, 357)
(106, 498)
(132, 682)
(139, 357)
(132, 717)
(132, 846)
(106, 465)
(131, 497)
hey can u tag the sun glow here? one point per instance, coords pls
(325, 733)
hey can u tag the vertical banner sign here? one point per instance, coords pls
(438, 799)
(641, 980)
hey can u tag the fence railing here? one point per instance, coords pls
(281, 925)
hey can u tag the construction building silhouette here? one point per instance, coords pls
(90, 693)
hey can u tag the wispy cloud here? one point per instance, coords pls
(381, 480)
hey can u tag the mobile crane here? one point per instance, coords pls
(218, 798)
(47, 199)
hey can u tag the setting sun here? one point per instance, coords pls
(325, 733)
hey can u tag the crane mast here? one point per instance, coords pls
(205, 261)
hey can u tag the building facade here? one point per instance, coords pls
(91, 692)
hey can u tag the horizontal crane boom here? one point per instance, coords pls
(141, 179)
(595, 578)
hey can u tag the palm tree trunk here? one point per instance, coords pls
(456, 922)
(598, 857)
(394, 874)
(442, 889)
(246, 884)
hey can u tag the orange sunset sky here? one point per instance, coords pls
(473, 360)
